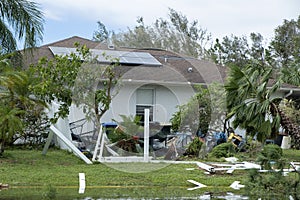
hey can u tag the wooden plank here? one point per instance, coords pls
(103, 143)
(117, 159)
(70, 144)
(81, 183)
(206, 167)
(201, 165)
(146, 135)
(97, 144)
(49, 139)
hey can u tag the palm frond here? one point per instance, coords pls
(7, 41)
(25, 18)
(291, 75)
(249, 99)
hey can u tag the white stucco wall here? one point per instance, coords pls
(167, 98)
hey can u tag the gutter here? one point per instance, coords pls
(160, 82)
(289, 94)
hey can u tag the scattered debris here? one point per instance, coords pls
(3, 186)
(231, 159)
(172, 153)
(199, 185)
(236, 185)
(201, 165)
(295, 165)
(189, 169)
(229, 168)
(60, 135)
(205, 166)
(81, 183)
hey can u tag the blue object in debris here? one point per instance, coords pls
(108, 126)
(220, 137)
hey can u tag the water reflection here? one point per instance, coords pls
(125, 194)
(205, 196)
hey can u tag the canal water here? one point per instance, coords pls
(104, 194)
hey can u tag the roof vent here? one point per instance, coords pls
(111, 46)
(190, 69)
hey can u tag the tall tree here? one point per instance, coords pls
(195, 114)
(177, 34)
(236, 50)
(139, 37)
(101, 34)
(285, 51)
(285, 46)
(95, 87)
(204, 112)
(20, 20)
(257, 49)
(57, 78)
(282, 51)
(77, 78)
(291, 74)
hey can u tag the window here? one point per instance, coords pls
(144, 100)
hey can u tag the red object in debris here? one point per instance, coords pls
(135, 137)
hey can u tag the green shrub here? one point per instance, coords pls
(274, 183)
(194, 147)
(117, 134)
(129, 126)
(271, 156)
(272, 151)
(223, 150)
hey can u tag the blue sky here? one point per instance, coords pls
(66, 18)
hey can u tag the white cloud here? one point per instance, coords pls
(49, 14)
(220, 17)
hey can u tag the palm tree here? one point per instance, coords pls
(20, 20)
(16, 102)
(10, 124)
(253, 105)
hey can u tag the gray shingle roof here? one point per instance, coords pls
(175, 68)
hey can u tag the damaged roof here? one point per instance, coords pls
(174, 68)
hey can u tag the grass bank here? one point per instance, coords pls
(32, 175)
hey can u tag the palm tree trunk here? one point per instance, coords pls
(291, 128)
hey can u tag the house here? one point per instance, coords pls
(151, 78)
(156, 79)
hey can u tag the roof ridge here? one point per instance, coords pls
(66, 39)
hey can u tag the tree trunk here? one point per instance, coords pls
(291, 128)
(1, 147)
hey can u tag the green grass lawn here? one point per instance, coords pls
(55, 175)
